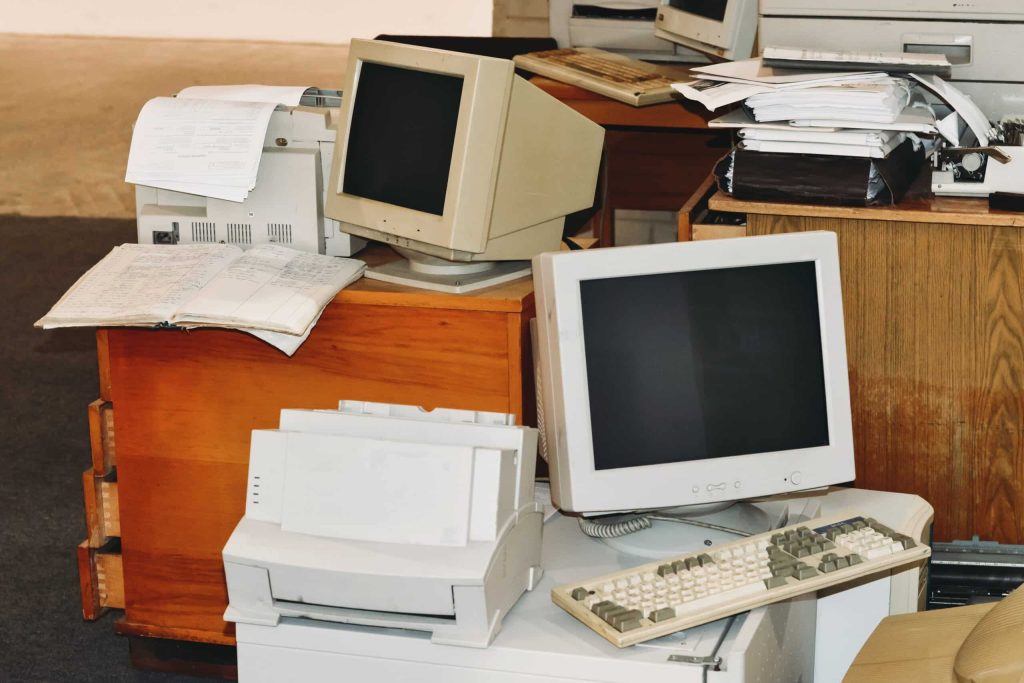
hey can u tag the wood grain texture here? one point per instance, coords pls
(682, 114)
(935, 342)
(101, 436)
(187, 403)
(103, 364)
(102, 518)
(951, 210)
(101, 580)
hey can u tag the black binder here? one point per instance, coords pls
(818, 178)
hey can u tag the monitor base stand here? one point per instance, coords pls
(428, 272)
(668, 538)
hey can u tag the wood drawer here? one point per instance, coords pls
(102, 514)
(101, 578)
(101, 436)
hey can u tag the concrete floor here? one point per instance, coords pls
(69, 103)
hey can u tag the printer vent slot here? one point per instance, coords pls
(204, 231)
(239, 233)
(280, 233)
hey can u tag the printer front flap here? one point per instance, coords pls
(389, 577)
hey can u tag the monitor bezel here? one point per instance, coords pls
(486, 92)
(723, 38)
(576, 484)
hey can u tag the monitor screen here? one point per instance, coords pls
(704, 364)
(709, 9)
(402, 136)
(692, 373)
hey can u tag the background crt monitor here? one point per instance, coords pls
(694, 373)
(723, 28)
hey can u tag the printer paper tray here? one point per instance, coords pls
(345, 615)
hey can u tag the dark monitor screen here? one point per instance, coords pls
(402, 136)
(704, 364)
(709, 9)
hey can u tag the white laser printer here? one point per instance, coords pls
(285, 207)
(388, 515)
(980, 38)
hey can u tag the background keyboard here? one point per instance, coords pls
(659, 598)
(621, 78)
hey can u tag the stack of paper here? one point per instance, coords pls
(807, 134)
(207, 141)
(843, 113)
(729, 82)
(879, 100)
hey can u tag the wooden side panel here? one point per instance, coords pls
(187, 403)
(111, 508)
(101, 436)
(91, 608)
(694, 207)
(103, 363)
(701, 231)
(935, 341)
(102, 515)
(110, 579)
(101, 580)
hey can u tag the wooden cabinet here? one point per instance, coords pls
(186, 403)
(655, 156)
(933, 296)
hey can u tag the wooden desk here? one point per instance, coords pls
(933, 294)
(655, 156)
(184, 405)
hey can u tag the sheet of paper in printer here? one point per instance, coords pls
(288, 95)
(200, 146)
(208, 140)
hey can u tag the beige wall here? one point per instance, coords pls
(316, 21)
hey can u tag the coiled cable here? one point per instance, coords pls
(614, 527)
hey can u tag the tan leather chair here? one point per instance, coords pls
(974, 644)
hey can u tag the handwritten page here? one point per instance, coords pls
(201, 146)
(139, 283)
(273, 292)
(272, 288)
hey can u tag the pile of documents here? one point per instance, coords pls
(801, 129)
(206, 141)
(270, 291)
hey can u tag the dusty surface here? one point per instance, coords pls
(68, 105)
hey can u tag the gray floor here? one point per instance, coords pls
(48, 378)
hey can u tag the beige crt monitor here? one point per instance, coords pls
(721, 28)
(457, 163)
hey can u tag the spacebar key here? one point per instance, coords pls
(723, 599)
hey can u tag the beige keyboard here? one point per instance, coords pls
(622, 78)
(659, 598)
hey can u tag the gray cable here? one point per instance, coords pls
(613, 528)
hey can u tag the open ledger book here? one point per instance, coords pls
(273, 292)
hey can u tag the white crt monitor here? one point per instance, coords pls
(722, 28)
(693, 373)
(457, 163)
